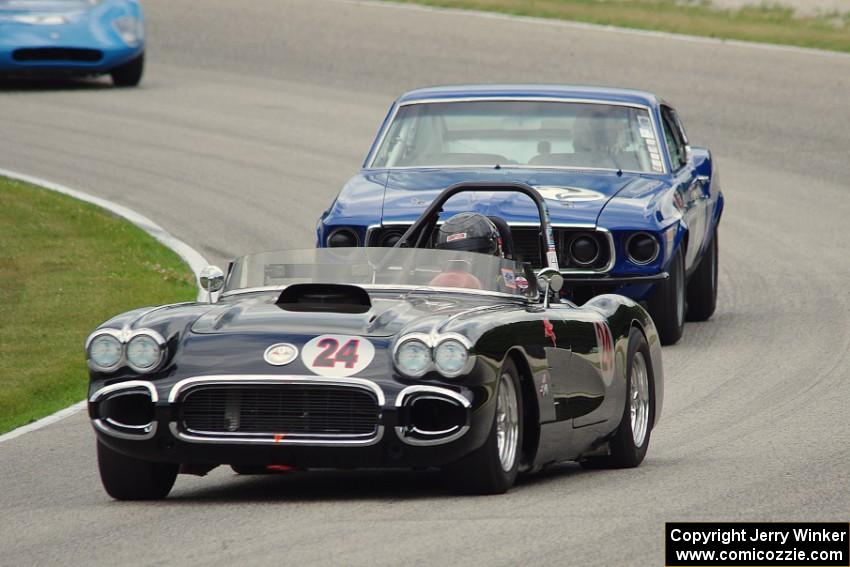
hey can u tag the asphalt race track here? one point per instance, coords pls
(252, 115)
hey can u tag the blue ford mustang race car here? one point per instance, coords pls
(72, 38)
(635, 208)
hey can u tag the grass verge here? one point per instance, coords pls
(764, 23)
(66, 266)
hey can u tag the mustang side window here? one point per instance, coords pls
(673, 138)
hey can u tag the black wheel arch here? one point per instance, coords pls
(531, 411)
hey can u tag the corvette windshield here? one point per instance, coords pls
(392, 267)
(520, 133)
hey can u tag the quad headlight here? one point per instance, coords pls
(105, 351)
(415, 355)
(108, 349)
(450, 358)
(143, 353)
(131, 30)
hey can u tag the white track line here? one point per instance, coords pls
(191, 256)
(599, 28)
(44, 421)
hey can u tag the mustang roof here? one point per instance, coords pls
(520, 91)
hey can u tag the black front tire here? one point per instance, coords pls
(129, 74)
(702, 287)
(667, 304)
(482, 472)
(623, 451)
(126, 478)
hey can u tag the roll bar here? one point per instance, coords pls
(416, 235)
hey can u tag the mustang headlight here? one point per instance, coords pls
(105, 351)
(451, 357)
(412, 357)
(144, 352)
(131, 30)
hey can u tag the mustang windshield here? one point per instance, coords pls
(392, 267)
(520, 133)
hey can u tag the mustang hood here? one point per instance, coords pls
(259, 313)
(572, 196)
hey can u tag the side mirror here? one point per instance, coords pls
(549, 280)
(212, 280)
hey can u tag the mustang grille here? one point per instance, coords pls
(304, 410)
(526, 245)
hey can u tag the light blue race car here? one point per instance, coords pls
(72, 38)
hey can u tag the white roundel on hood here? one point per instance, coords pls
(337, 356)
(280, 354)
(568, 194)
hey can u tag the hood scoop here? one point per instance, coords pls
(324, 298)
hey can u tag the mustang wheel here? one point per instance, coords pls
(126, 478)
(492, 468)
(667, 304)
(702, 288)
(629, 443)
(129, 74)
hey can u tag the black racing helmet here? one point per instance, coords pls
(470, 232)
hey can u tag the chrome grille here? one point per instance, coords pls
(302, 410)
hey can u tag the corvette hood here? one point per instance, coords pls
(572, 196)
(389, 315)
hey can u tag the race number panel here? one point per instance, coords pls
(337, 356)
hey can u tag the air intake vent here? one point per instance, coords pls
(58, 54)
(333, 298)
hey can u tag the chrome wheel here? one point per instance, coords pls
(639, 399)
(507, 422)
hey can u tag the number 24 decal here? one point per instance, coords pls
(338, 356)
(332, 354)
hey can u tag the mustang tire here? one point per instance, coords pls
(630, 441)
(702, 288)
(492, 468)
(129, 74)
(126, 478)
(667, 304)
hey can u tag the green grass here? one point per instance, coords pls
(66, 266)
(765, 23)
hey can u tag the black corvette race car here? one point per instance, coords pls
(408, 356)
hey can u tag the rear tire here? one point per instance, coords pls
(129, 74)
(667, 304)
(492, 468)
(630, 441)
(126, 478)
(702, 288)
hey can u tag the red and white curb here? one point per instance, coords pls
(191, 256)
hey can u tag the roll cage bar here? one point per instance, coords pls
(419, 232)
